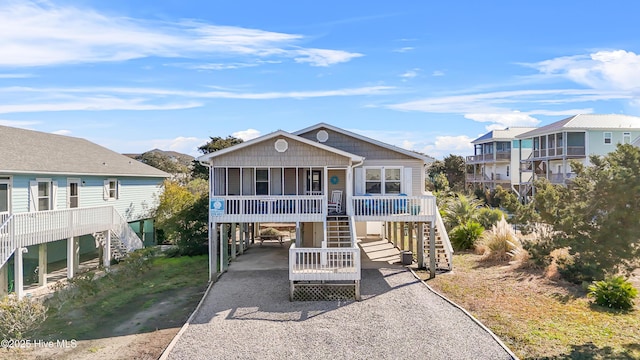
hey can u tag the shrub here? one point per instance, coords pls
(539, 243)
(614, 293)
(487, 217)
(500, 243)
(269, 232)
(20, 318)
(464, 237)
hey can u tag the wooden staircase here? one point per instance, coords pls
(443, 247)
(338, 231)
(118, 249)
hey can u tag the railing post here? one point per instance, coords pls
(106, 257)
(432, 250)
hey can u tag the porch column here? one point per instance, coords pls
(73, 257)
(213, 251)
(4, 281)
(224, 247)
(42, 264)
(411, 231)
(298, 235)
(395, 235)
(234, 241)
(106, 257)
(349, 190)
(432, 250)
(18, 273)
(420, 254)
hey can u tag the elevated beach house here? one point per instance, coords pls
(329, 182)
(60, 198)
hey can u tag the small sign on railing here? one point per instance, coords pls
(216, 207)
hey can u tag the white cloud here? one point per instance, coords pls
(607, 70)
(246, 134)
(19, 123)
(410, 74)
(15, 76)
(445, 145)
(437, 73)
(66, 34)
(404, 49)
(61, 132)
(323, 57)
(504, 120)
(89, 103)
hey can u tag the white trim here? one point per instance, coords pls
(107, 189)
(383, 179)
(604, 137)
(208, 157)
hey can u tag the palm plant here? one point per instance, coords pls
(460, 209)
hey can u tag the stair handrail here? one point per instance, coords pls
(125, 233)
(8, 245)
(446, 243)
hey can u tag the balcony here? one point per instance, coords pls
(394, 208)
(572, 151)
(273, 208)
(487, 158)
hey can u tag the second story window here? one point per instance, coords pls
(262, 181)
(383, 181)
(607, 137)
(111, 189)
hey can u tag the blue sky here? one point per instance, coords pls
(425, 75)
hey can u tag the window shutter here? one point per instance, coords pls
(359, 180)
(105, 190)
(33, 196)
(54, 195)
(407, 181)
(118, 189)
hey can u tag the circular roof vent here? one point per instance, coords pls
(322, 136)
(281, 145)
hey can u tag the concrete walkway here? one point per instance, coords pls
(247, 315)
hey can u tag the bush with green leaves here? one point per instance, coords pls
(614, 293)
(487, 217)
(20, 318)
(464, 237)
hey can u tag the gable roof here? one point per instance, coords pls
(502, 135)
(425, 158)
(35, 152)
(588, 122)
(209, 156)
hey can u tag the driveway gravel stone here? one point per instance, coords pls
(248, 315)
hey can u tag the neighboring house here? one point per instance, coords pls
(496, 159)
(575, 138)
(329, 182)
(60, 197)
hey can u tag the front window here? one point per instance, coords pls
(262, 182)
(44, 195)
(607, 137)
(113, 189)
(626, 138)
(383, 181)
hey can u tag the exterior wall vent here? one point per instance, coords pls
(281, 145)
(322, 136)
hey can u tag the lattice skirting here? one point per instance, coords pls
(324, 292)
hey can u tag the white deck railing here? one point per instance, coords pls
(274, 208)
(33, 228)
(400, 208)
(324, 264)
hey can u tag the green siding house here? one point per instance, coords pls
(61, 197)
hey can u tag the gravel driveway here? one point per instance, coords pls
(247, 315)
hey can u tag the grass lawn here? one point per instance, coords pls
(536, 317)
(124, 315)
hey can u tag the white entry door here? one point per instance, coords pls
(5, 196)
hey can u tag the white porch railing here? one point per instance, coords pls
(33, 228)
(274, 208)
(399, 208)
(324, 264)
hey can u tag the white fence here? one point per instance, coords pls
(33, 228)
(324, 264)
(399, 208)
(274, 208)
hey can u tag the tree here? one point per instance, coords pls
(216, 143)
(453, 167)
(596, 215)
